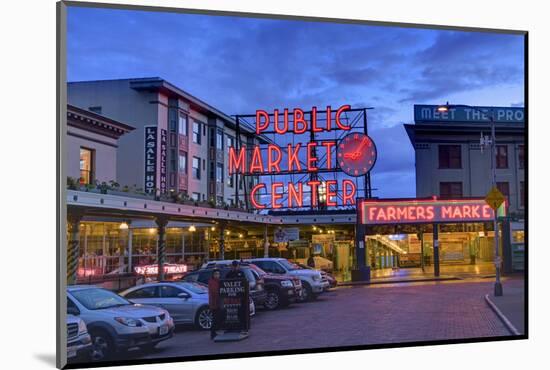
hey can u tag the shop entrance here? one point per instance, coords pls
(426, 236)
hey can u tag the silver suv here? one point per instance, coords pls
(313, 283)
(79, 343)
(116, 324)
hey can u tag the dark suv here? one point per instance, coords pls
(257, 291)
(282, 290)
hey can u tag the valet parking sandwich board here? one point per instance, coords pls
(234, 295)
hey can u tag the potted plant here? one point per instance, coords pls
(72, 183)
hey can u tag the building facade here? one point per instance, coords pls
(450, 162)
(180, 143)
(92, 141)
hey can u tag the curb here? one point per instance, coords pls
(354, 283)
(511, 328)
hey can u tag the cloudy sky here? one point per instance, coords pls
(241, 64)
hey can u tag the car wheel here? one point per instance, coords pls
(204, 318)
(102, 346)
(272, 300)
(307, 293)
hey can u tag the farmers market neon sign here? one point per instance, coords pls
(373, 212)
(303, 158)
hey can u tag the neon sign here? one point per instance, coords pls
(376, 212)
(314, 156)
(153, 269)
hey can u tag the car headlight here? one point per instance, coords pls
(128, 321)
(286, 284)
(82, 329)
(317, 277)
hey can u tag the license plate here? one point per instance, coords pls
(163, 330)
(71, 353)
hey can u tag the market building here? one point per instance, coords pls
(180, 143)
(304, 189)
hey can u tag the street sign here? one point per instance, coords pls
(494, 198)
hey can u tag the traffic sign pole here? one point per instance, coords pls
(498, 284)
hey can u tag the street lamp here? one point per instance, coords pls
(492, 142)
(192, 228)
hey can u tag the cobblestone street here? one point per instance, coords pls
(350, 316)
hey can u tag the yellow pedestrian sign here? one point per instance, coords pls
(494, 198)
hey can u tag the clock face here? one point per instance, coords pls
(356, 154)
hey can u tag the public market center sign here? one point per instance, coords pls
(354, 154)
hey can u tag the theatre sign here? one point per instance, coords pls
(414, 211)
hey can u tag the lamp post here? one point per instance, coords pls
(492, 142)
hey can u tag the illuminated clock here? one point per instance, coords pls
(356, 154)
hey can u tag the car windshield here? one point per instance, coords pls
(97, 299)
(289, 266)
(196, 288)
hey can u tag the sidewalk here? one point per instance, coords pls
(447, 272)
(510, 306)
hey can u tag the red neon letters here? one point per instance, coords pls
(425, 211)
(281, 125)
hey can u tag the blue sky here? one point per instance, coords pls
(242, 64)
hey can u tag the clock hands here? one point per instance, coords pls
(356, 154)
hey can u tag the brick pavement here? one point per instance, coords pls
(357, 316)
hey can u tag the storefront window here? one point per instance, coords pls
(518, 236)
(86, 166)
(102, 249)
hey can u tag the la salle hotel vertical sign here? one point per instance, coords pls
(155, 150)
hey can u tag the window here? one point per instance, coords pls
(502, 156)
(230, 180)
(450, 156)
(71, 307)
(521, 193)
(219, 140)
(167, 291)
(86, 166)
(196, 168)
(182, 124)
(196, 196)
(521, 156)
(183, 162)
(219, 173)
(149, 292)
(196, 132)
(204, 276)
(173, 159)
(230, 142)
(212, 174)
(504, 188)
(449, 190)
(219, 200)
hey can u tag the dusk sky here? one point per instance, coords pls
(239, 65)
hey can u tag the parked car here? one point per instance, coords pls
(116, 324)
(331, 279)
(187, 302)
(282, 290)
(79, 342)
(313, 283)
(256, 284)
